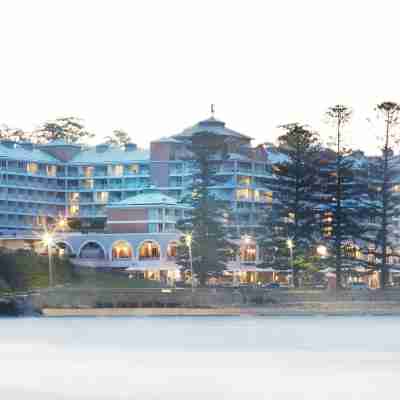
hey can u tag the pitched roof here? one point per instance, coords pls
(211, 125)
(18, 152)
(146, 199)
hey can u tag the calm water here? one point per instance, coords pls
(200, 358)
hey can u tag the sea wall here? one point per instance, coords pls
(212, 298)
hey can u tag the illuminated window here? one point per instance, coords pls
(172, 250)
(243, 194)
(74, 197)
(248, 253)
(32, 168)
(51, 170)
(101, 197)
(88, 171)
(134, 168)
(121, 250)
(149, 251)
(74, 209)
(244, 180)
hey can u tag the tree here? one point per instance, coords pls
(344, 178)
(14, 134)
(383, 172)
(211, 249)
(292, 220)
(119, 138)
(68, 129)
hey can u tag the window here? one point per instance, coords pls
(74, 209)
(149, 250)
(134, 168)
(74, 197)
(88, 171)
(51, 170)
(101, 197)
(248, 253)
(88, 183)
(32, 168)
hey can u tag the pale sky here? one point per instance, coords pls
(154, 67)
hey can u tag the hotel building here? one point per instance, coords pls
(126, 201)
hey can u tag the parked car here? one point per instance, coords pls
(359, 286)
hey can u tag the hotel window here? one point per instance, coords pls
(244, 180)
(115, 170)
(101, 197)
(134, 168)
(243, 194)
(149, 250)
(248, 253)
(74, 209)
(266, 197)
(88, 171)
(172, 250)
(51, 170)
(74, 197)
(32, 168)
(396, 188)
(88, 183)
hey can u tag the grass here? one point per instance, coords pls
(85, 278)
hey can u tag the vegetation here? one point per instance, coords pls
(118, 138)
(68, 129)
(25, 270)
(292, 221)
(211, 247)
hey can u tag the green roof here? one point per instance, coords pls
(18, 152)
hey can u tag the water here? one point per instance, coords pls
(200, 358)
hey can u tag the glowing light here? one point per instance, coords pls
(322, 250)
(289, 243)
(47, 239)
(188, 239)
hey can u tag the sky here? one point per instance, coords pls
(154, 67)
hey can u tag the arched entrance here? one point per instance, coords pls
(172, 251)
(121, 250)
(149, 250)
(92, 250)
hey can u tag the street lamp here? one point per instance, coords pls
(322, 250)
(290, 246)
(48, 240)
(188, 241)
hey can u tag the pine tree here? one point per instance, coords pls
(383, 188)
(344, 179)
(211, 248)
(290, 225)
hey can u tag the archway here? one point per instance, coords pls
(172, 250)
(93, 250)
(121, 250)
(149, 250)
(248, 252)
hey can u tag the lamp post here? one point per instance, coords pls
(48, 240)
(290, 245)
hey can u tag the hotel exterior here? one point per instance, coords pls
(126, 201)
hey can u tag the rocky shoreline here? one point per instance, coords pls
(18, 306)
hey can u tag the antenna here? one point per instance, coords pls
(212, 110)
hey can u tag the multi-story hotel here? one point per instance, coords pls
(127, 200)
